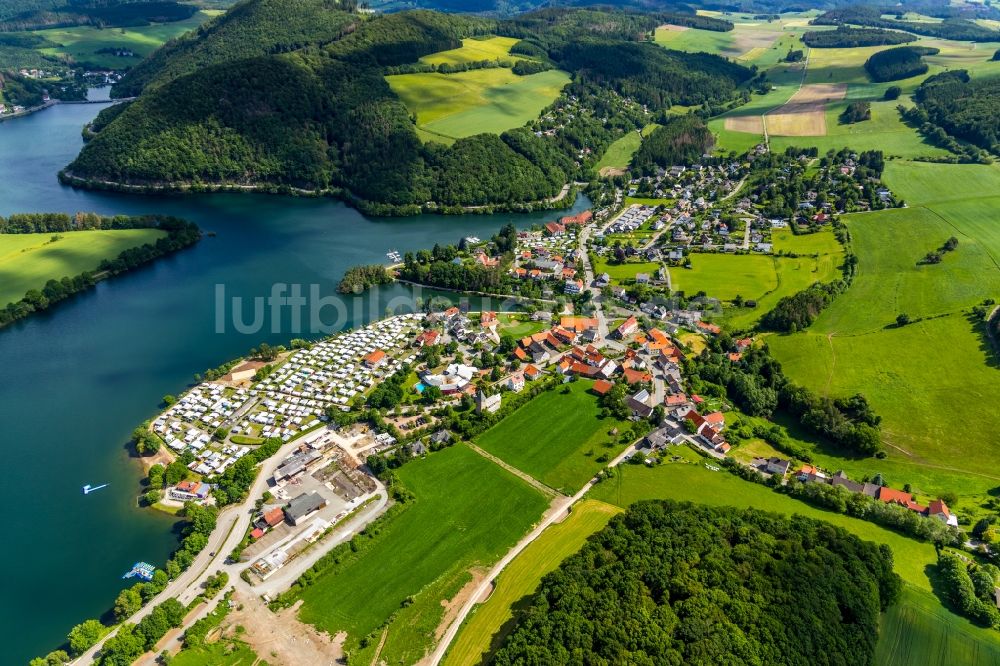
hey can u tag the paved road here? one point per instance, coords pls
(588, 278)
(231, 527)
(559, 509)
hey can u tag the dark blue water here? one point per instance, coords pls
(75, 381)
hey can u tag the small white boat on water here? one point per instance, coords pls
(87, 489)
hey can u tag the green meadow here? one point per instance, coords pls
(81, 43)
(763, 278)
(885, 131)
(28, 261)
(620, 273)
(518, 326)
(466, 513)
(939, 364)
(489, 622)
(692, 482)
(556, 437)
(619, 153)
(917, 631)
(452, 106)
(474, 50)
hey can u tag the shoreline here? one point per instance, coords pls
(376, 209)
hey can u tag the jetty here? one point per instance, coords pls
(143, 570)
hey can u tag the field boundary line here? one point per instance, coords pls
(959, 231)
(546, 490)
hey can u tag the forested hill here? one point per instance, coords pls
(264, 98)
(37, 14)
(310, 108)
(248, 30)
(955, 25)
(674, 583)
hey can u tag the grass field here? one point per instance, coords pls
(695, 483)
(940, 362)
(82, 42)
(556, 437)
(619, 153)
(452, 106)
(222, 652)
(474, 50)
(487, 625)
(918, 631)
(622, 272)
(740, 129)
(519, 326)
(28, 261)
(466, 513)
(763, 278)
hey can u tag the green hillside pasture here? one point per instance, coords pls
(911, 376)
(762, 278)
(821, 261)
(556, 437)
(976, 58)
(889, 281)
(619, 154)
(694, 41)
(28, 261)
(921, 182)
(886, 131)
(482, 100)
(81, 42)
(919, 632)
(695, 483)
(473, 50)
(758, 42)
(942, 361)
(725, 276)
(486, 625)
(467, 513)
(736, 136)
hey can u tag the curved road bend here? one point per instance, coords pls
(230, 529)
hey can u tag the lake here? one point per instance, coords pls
(75, 381)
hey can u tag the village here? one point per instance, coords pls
(411, 365)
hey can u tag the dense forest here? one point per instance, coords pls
(850, 37)
(102, 13)
(677, 583)
(308, 107)
(899, 63)
(682, 140)
(961, 29)
(248, 30)
(964, 108)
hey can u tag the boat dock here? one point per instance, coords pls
(143, 570)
